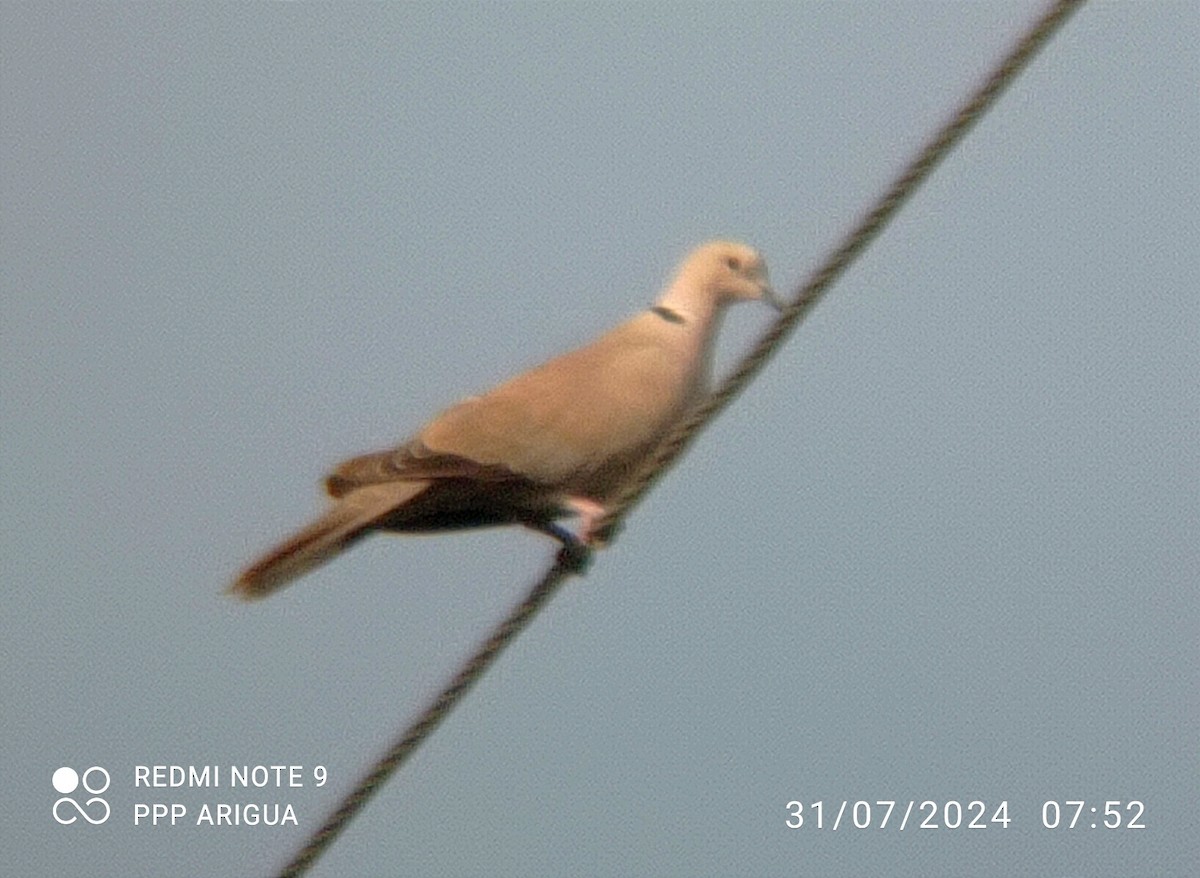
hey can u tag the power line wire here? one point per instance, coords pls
(574, 558)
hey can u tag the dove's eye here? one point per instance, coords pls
(734, 263)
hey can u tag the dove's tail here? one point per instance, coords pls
(346, 522)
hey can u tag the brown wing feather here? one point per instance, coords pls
(407, 463)
(574, 414)
(556, 425)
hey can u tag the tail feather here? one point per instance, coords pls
(346, 522)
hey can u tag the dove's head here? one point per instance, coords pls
(723, 272)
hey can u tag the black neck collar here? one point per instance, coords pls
(667, 314)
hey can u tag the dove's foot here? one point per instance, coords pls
(575, 555)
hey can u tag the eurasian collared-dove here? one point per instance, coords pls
(557, 440)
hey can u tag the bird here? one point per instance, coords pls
(558, 440)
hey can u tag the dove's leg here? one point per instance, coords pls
(551, 529)
(588, 535)
(590, 513)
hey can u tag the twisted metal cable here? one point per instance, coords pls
(836, 262)
(574, 558)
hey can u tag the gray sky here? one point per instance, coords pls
(945, 548)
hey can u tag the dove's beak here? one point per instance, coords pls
(771, 297)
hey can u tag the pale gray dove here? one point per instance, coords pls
(557, 440)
